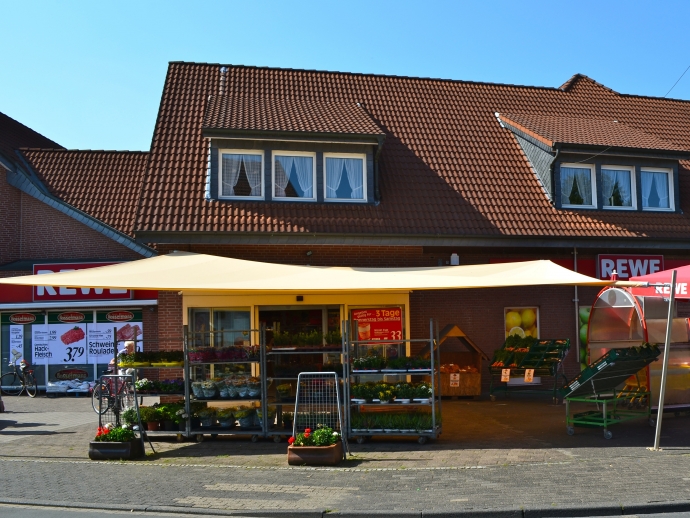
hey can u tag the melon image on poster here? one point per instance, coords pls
(522, 321)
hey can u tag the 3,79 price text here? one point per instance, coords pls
(73, 353)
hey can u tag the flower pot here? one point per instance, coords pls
(182, 426)
(153, 426)
(287, 425)
(226, 423)
(206, 421)
(198, 392)
(209, 393)
(315, 455)
(106, 450)
(246, 422)
(169, 426)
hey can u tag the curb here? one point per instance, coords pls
(553, 512)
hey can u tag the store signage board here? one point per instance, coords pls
(505, 375)
(127, 325)
(63, 340)
(627, 266)
(71, 294)
(454, 379)
(378, 324)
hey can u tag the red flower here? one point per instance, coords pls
(306, 434)
(102, 431)
(308, 430)
(291, 440)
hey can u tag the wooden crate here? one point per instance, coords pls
(470, 384)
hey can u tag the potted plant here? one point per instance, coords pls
(150, 417)
(226, 417)
(287, 419)
(115, 442)
(386, 396)
(270, 415)
(404, 392)
(144, 385)
(333, 338)
(129, 417)
(283, 339)
(207, 416)
(322, 447)
(253, 387)
(284, 391)
(245, 417)
(209, 389)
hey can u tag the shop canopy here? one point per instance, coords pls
(186, 272)
(658, 279)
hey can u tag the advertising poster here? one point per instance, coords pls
(521, 321)
(19, 328)
(380, 324)
(16, 343)
(126, 324)
(63, 340)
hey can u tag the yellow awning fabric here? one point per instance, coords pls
(185, 271)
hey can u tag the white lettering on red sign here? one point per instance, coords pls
(57, 293)
(627, 266)
(681, 289)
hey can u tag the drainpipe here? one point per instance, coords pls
(576, 300)
(553, 177)
(377, 190)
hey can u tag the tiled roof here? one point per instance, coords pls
(586, 131)
(447, 167)
(103, 184)
(14, 135)
(287, 115)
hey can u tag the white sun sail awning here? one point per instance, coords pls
(186, 272)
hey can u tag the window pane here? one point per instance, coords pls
(294, 177)
(616, 187)
(344, 178)
(576, 186)
(241, 175)
(655, 190)
(230, 327)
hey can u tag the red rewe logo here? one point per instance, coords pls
(22, 318)
(71, 317)
(120, 316)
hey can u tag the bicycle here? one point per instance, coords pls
(20, 379)
(109, 394)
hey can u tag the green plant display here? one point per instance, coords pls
(115, 434)
(149, 414)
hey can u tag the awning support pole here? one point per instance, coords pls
(664, 370)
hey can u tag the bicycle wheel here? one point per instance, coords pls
(10, 384)
(30, 384)
(100, 399)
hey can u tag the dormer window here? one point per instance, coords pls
(294, 176)
(657, 189)
(345, 178)
(241, 175)
(618, 187)
(578, 185)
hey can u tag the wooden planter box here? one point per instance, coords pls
(469, 384)
(315, 455)
(104, 450)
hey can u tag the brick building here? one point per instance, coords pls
(326, 168)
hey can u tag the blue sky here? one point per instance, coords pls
(89, 75)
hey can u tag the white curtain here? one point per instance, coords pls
(609, 179)
(334, 174)
(230, 174)
(647, 180)
(282, 175)
(355, 176)
(583, 178)
(661, 184)
(305, 175)
(252, 166)
(567, 181)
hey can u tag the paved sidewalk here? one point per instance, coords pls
(508, 455)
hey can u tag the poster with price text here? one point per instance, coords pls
(63, 340)
(380, 324)
(16, 343)
(127, 325)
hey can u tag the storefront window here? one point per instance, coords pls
(230, 327)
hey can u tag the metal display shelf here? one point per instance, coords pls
(598, 384)
(352, 349)
(544, 356)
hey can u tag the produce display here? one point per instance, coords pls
(451, 368)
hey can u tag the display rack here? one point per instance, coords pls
(598, 385)
(201, 367)
(543, 357)
(411, 417)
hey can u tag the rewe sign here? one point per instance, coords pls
(65, 293)
(627, 266)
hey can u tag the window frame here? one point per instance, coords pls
(361, 156)
(221, 152)
(633, 186)
(671, 189)
(273, 175)
(593, 173)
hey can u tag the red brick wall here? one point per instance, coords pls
(9, 220)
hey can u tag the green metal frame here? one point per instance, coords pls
(624, 405)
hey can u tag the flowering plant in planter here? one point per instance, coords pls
(322, 436)
(174, 386)
(111, 433)
(144, 385)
